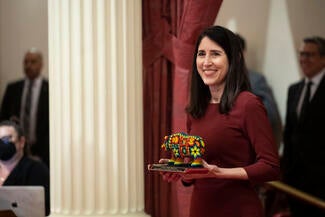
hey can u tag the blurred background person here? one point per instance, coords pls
(27, 101)
(304, 142)
(273, 200)
(262, 89)
(16, 168)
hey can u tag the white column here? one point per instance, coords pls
(95, 74)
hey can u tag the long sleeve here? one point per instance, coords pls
(258, 130)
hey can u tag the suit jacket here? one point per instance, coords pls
(304, 142)
(11, 105)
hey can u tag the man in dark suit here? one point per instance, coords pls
(27, 101)
(304, 140)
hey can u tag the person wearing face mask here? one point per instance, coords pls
(16, 168)
(240, 148)
(27, 101)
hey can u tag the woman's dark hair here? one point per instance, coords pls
(236, 78)
(19, 131)
(12, 124)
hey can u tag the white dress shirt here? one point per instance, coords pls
(316, 81)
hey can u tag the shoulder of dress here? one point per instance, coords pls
(247, 99)
(246, 96)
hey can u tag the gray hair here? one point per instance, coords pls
(35, 50)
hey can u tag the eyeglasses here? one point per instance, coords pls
(307, 54)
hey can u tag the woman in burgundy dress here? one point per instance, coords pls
(240, 148)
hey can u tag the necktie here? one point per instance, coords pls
(27, 109)
(305, 102)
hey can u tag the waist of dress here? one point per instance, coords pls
(213, 183)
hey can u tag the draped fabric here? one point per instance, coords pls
(170, 30)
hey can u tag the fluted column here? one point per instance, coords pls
(95, 74)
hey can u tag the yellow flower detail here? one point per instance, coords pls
(195, 151)
(176, 152)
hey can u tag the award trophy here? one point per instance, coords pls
(182, 146)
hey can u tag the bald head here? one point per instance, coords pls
(33, 63)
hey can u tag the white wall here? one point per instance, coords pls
(23, 24)
(274, 30)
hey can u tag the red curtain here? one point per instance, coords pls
(170, 29)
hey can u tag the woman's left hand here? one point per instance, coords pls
(213, 170)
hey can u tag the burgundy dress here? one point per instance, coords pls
(243, 138)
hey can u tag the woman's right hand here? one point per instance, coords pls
(163, 161)
(169, 176)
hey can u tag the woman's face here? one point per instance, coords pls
(212, 63)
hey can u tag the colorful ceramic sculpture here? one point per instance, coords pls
(184, 146)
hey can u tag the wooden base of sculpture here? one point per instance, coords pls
(177, 169)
